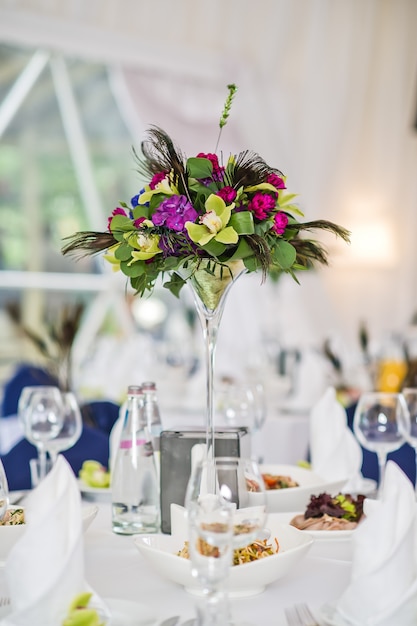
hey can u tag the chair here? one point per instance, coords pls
(100, 413)
(404, 457)
(93, 444)
(25, 376)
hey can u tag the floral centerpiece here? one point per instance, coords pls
(204, 221)
(199, 209)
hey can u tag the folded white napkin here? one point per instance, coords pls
(335, 452)
(384, 574)
(45, 569)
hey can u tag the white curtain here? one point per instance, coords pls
(327, 93)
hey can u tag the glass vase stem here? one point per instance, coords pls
(210, 325)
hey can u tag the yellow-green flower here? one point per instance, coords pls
(213, 224)
(165, 186)
(109, 256)
(146, 246)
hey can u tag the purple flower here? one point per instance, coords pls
(174, 212)
(276, 181)
(261, 205)
(280, 223)
(227, 193)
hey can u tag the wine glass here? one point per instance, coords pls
(380, 424)
(71, 430)
(243, 404)
(410, 396)
(43, 419)
(226, 508)
(4, 492)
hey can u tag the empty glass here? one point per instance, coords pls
(43, 419)
(410, 395)
(381, 424)
(226, 508)
(71, 429)
(4, 492)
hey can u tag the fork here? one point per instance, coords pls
(300, 615)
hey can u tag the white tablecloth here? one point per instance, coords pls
(116, 569)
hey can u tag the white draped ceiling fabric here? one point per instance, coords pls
(327, 93)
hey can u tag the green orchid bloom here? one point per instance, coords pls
(165, 187)
(145, 245)
(213, 224)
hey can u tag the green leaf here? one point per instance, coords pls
(121, 223)
(136, 269)
(123, 252)
(242, 222)
(140, 211)
(286, 198)
(155, 201)
(201, 190)
(214, 248)
(175, 284)
(263, 227)
(140, 284)
(284, 254)
(251, 264)
(199, 167)
(243, 251)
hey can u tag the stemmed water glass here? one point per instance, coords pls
(4, 492)
(42, 420)
(243, 404)
(381, 424)
(71, 427)
(410, 396)
(226, 508)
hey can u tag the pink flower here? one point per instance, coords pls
(280, 223)
(212, 158)
(218, 170)
(228, 194)
(276, 181)
(261, 205)
(156, 178)
(118, 211)
(138, 222)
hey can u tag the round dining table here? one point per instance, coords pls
(115, 568)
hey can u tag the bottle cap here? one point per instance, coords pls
(148, 385)
(134, 390)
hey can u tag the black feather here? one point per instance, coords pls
(250, 169)
(161, 155)
(88, 243)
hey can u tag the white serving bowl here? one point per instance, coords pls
(244, 580)
(9, 535)
(297, 498)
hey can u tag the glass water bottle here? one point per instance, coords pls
(135, 490)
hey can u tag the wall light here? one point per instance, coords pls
(372, 244)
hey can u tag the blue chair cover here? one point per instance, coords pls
(101, 413)
(24, 376)
(93, 444)
(404, 456)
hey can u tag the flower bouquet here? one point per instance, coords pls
(204, 221)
